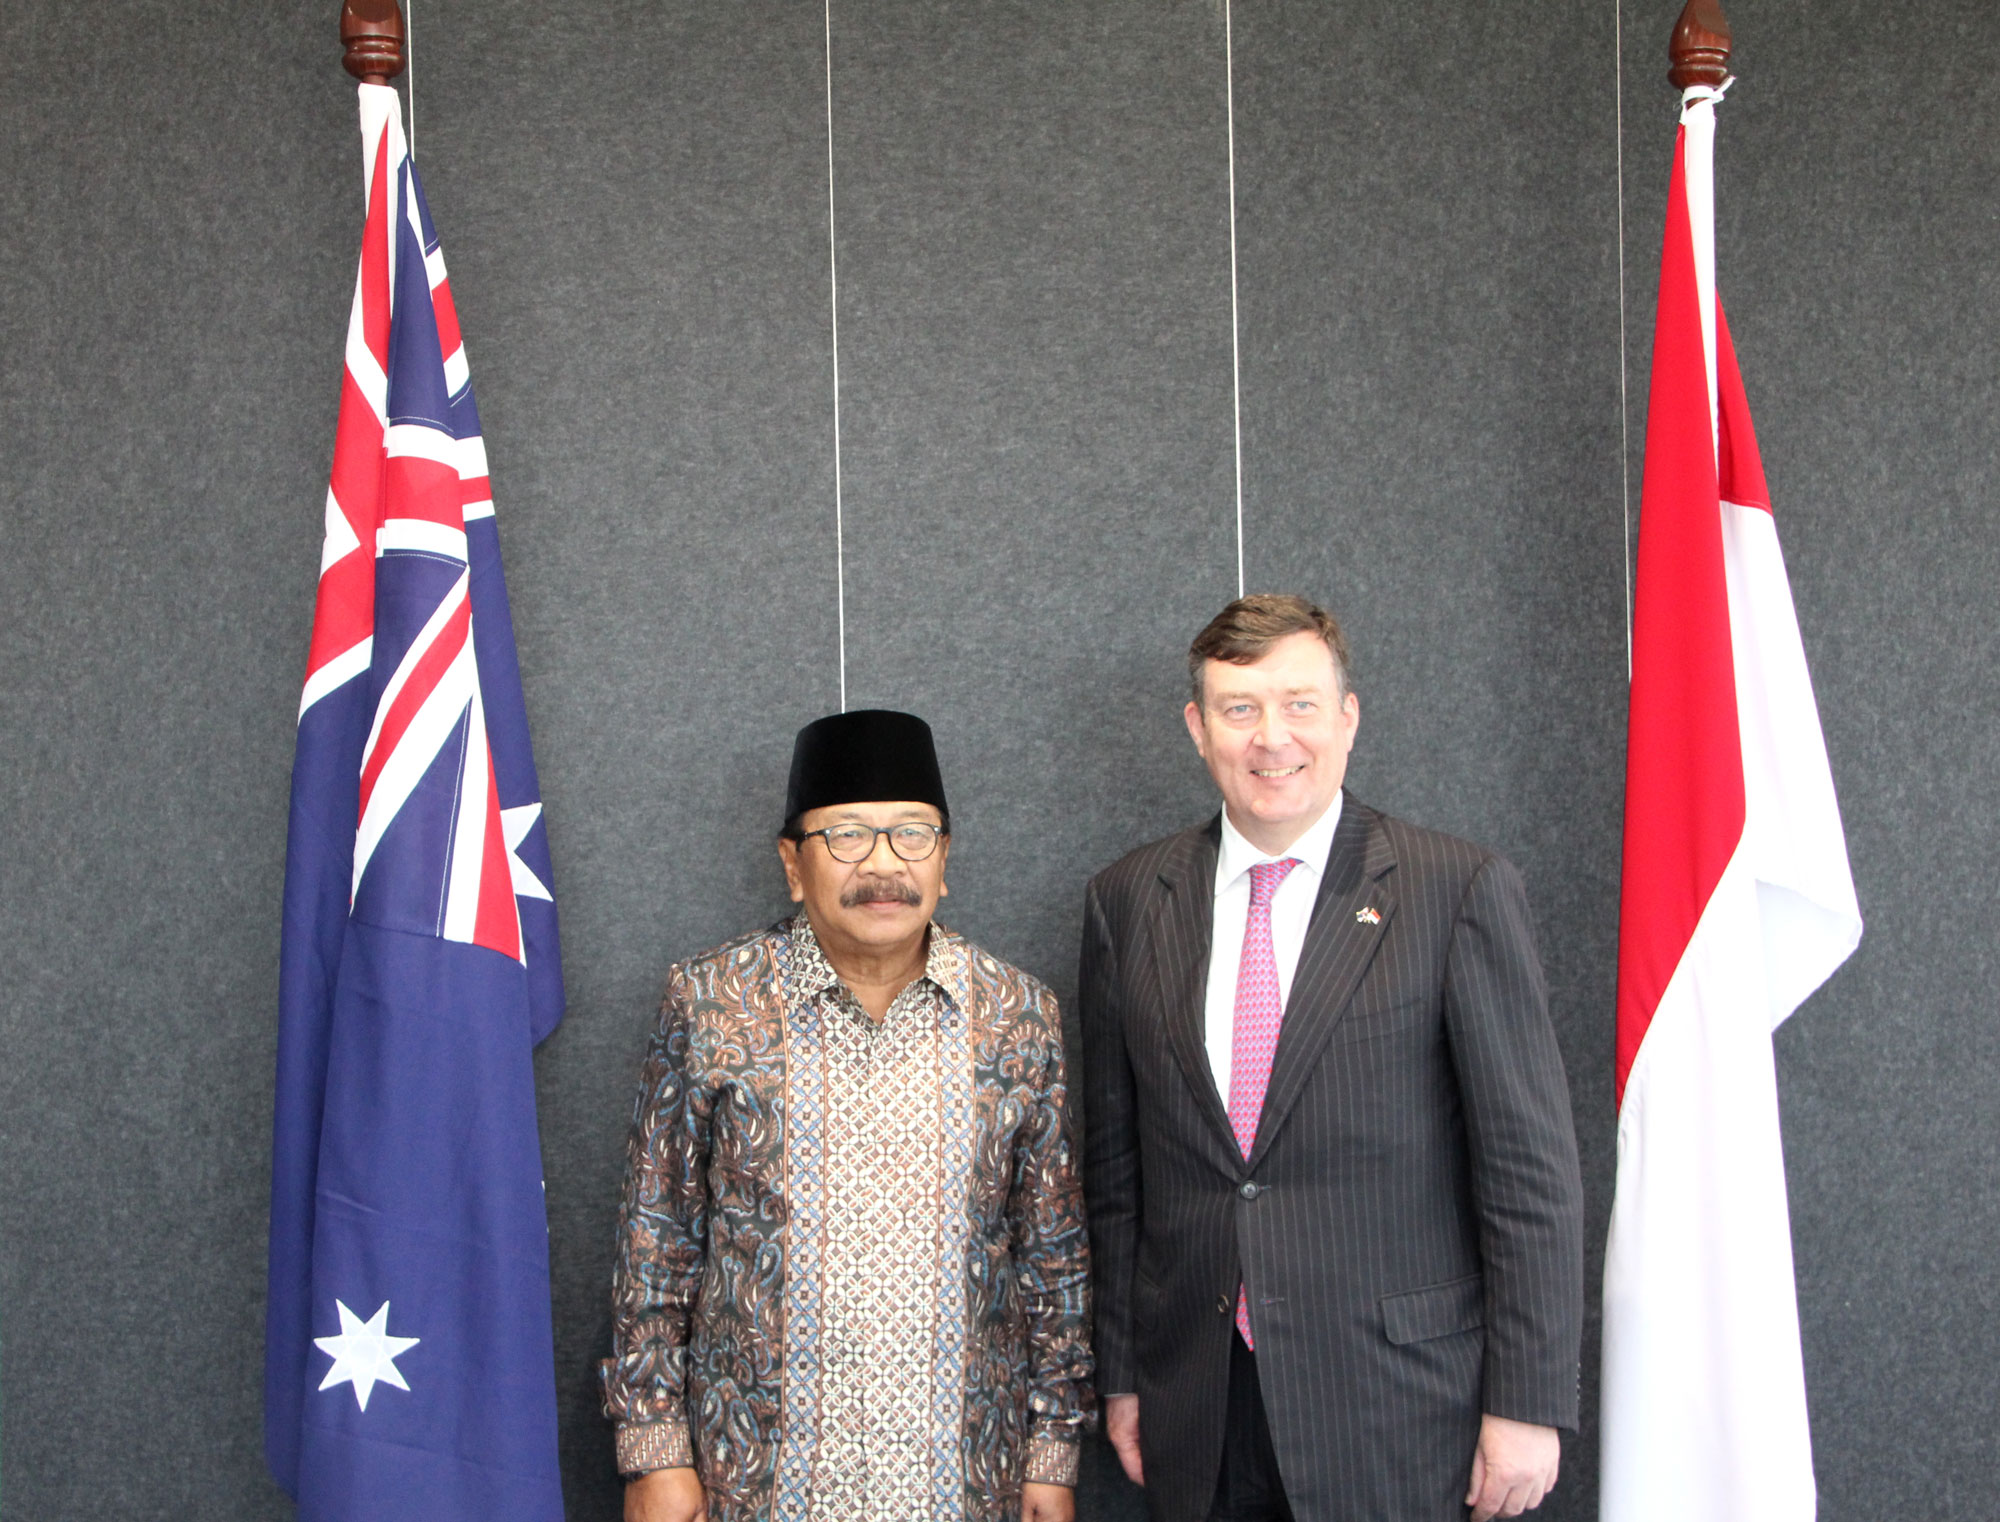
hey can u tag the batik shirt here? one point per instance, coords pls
(852, 1278)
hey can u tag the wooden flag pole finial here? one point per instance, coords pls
(371, 31)
(1699, 47)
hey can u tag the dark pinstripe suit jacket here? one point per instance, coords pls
(1409, 1222)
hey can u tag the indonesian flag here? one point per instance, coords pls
(1736, 904)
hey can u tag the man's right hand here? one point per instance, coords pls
(666, 1495)
(1121, 1425)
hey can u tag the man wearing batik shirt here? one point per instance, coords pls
(852, 1278)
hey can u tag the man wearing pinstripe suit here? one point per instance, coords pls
(1331, 1170)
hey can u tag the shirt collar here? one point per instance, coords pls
(1310, 850)
(811, 971)
(813, 974)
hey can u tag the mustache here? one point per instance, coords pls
(879, 890)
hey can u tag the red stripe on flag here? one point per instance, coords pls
(344, 615)
(421, 488)
(344, 611)
(497, 921)
(1684, 805)
(1741, 466)
(375, 260)
(447, 319)
(429, 670)
(357, 462)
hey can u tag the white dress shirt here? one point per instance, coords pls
(1291, 911)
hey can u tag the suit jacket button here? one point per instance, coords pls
(1250, 1190)
(1222, 1304)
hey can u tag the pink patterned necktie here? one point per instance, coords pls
(1255, 1034)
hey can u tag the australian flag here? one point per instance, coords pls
(409, 1370)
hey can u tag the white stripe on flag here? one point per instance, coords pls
(426, 637)
(421, 535)
(1698, 164)
(430, 730)
(421, 441)
(369, 378)
(468, 835)
(381, 110)
(337, 673)
(340, 540)
(1791, 825)
(1704, 1399)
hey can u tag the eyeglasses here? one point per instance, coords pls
(856, 842)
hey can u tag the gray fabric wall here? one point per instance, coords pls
(1038, 480)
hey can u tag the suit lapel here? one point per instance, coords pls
(1350, 917)
(1183, 926)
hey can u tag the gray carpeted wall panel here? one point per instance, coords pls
(1039, 510)
(174, 289)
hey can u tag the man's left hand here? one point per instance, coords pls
(1047, 1503)
(1512, 1469)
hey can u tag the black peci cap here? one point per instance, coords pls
(872, 755)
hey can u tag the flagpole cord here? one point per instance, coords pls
(1624, 403)
(1235, 349)
(833, 301)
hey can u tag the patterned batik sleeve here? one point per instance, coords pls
(1052, 1259)
(662, 1241)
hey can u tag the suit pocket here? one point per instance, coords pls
(1145, 1302)
(1369, 1024)
(1458, 1305)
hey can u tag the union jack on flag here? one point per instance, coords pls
(419, 967)
(409, 485)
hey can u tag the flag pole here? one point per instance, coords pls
(1699, 47)
(371, 31)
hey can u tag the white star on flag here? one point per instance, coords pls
(515, 824)
(364, 1353)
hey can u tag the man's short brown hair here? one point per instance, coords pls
(1242, 632)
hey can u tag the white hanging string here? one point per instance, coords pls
(410, 68)
(833, 298)
(1235, 357)
(1624, 410)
